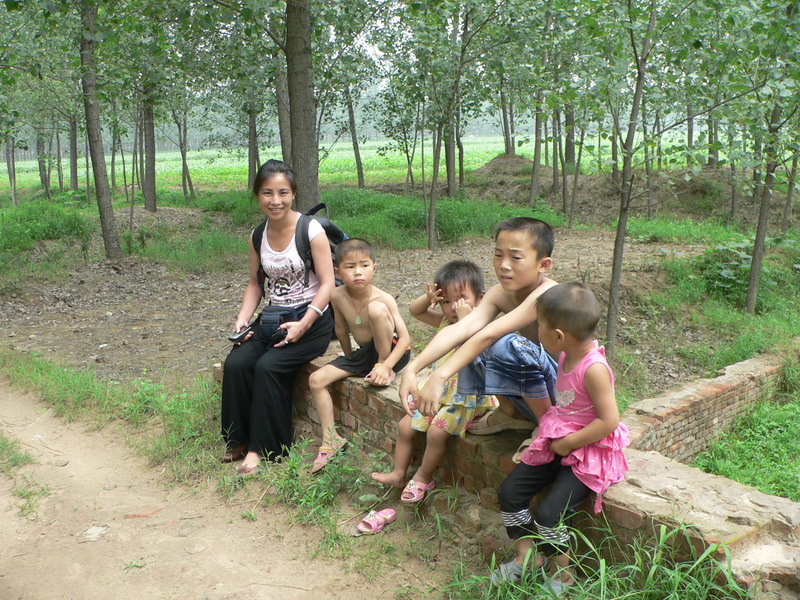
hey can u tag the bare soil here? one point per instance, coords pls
(113, 527)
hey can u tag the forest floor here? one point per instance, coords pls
(112, 525)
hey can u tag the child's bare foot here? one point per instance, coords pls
(394, 479)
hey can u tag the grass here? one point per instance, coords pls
(761, 449)
(12, 456)
(664, 566)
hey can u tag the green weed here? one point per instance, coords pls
(665, 566)
(29, 492)
(12, 456)
(761, 450)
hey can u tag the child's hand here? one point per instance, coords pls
(435, 295)
(408, 391)
(428, 398)
(380, 375)
(462, 308)
(561, 446)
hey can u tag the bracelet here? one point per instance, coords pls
(315, 309)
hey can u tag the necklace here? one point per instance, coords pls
(357, 320)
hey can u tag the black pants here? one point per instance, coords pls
(555, 509)
(257, 388)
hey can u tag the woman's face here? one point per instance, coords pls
(275, 197)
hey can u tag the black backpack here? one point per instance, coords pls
(332, 230)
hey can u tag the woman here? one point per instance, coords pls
(259, 375)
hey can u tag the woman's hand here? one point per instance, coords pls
(294, 331)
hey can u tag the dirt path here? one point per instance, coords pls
(111, 529)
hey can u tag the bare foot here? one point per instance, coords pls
(392, 478)
(250, 463)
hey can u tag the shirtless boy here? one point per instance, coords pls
(491, 358)
(372, 317)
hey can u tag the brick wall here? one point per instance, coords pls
(667, 432)
(680, 424)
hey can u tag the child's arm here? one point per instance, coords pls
(383, 371)
(522, 315)
(340, 326)
(597, 380)
(444, 341)
(423, 309)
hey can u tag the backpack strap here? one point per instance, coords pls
(257, 237)
(303, 245)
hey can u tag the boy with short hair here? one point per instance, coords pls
(457, 290)
(372, 317)
(491, 358)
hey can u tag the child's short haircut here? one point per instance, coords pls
(542, 234)
(571, 307)
(352, 245)
(462, 272)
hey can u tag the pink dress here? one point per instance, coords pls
(597, 465)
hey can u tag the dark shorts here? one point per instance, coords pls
(362, 360)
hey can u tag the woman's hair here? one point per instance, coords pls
(461, 272)
(542, 237)
(271, 168)
(570, 307)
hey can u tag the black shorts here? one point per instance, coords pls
(362, 360)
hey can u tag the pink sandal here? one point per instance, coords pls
(324, 455)
(415, 491)
(374, 522)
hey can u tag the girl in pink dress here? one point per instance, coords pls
(578, 447)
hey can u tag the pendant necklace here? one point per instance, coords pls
(357, 320)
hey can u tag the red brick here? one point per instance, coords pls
(376, 403)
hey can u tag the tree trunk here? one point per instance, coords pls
(282, 103)
(351, 116)
(59, 165)
(627, 183)
(509, 145)
(11, 167)
(659, 136)
(302, 104)
(460, 146)
(648, 166)
(41, 159)
(114, 137)
(689, 133)
(763, 214)
(569, 135)
(124, 173)
(757, 157)
(430, 224)
(135, 158)
(713, 151)
(556, 146)
(450, 158)
(73, 153)
(575, 179)
(86, 168)
(537, 154)
(253, 158)
(148, 122)
(94, 131)
(786, 220)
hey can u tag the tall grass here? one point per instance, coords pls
(663, 566)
